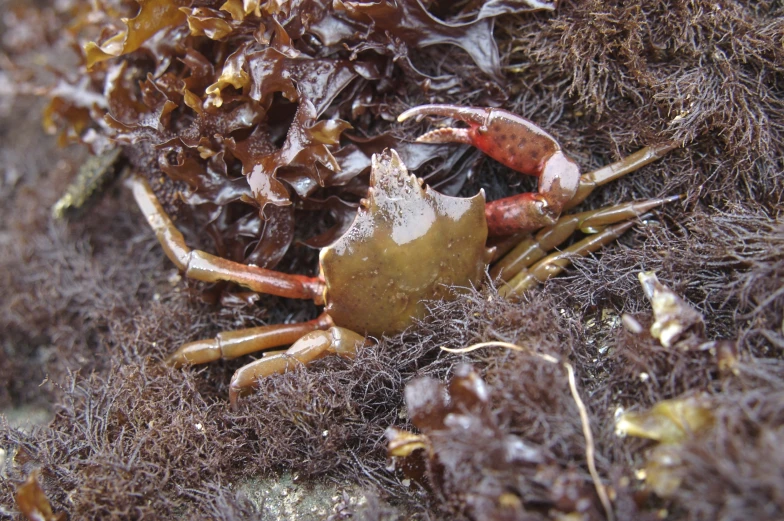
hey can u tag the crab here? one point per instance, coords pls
(409, 244)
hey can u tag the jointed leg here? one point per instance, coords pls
(231, 344)
(314, 345)
(555, 263)
(203, 266)
(613, 171)
(510, 215)
(528, 264)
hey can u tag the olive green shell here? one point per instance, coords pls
(406, 245)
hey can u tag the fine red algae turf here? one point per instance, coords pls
(310, 89)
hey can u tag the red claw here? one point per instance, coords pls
(520, 145)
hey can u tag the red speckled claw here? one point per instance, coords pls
(506, 137)
(519, 144)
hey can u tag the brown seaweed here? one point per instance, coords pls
(468, 460)
(230, 80)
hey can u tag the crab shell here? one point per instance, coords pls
(407, 245)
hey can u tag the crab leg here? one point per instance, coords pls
(533, 249)
(589, 182)
(206, 267)
(613, 171)
(501, 214)
(314, 345)
(528, 264)
(555, 263)
(232, 344)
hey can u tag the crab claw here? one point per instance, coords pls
(518, 144)
(506, 137)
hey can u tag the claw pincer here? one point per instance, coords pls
(520, 145)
